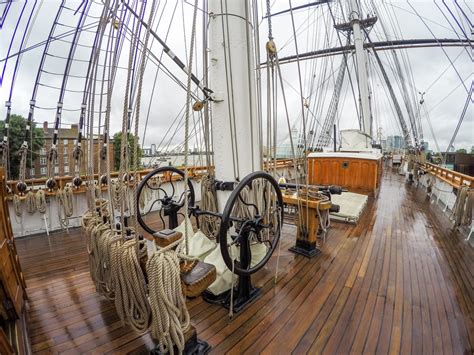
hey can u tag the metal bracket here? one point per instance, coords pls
(224, 185)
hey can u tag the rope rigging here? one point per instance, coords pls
(4, 144)
(325, 135)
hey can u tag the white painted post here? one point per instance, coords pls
(235, 129)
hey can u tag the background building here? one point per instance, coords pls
(67, 139)
(395, 143)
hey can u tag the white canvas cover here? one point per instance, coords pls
(200, 245)
(223, 280)
(352, 205)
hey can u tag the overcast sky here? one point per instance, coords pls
(430, 68)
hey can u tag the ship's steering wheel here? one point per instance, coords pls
(252, 220)
(165, 198)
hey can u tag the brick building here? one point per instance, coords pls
(67, 139)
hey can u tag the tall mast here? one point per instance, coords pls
(235, 128)
(361, 62)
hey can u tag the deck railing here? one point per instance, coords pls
(449, 176)
(194, 172)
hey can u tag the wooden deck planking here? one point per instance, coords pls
(398, 282)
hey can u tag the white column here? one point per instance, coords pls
(361, 61)
(232, 78)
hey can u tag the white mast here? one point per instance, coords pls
(361, 61)
(235, 129)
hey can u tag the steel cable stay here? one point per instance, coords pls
(49, 40)
(78, 152)
(53, 153)
(468, 79)
(461, 118)
(402, 128)
(394, 100)
(4, 144)
(136, 58)
(450, 24)
(456, 20)
(6, 9)
(155, 60)
(103, 159)
(404, 53)
(150, 57)
(442, 48)
(319, 102)
(347, 67)
(13, 39)
(277, 79)
(170, 53)
(403, 88)
(325, 133)
(158, 68)
(21, 186)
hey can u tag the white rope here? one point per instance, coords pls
(17, 205)
(209, 225)
(64, 198)
(170, 317)
(462, 209)
(186, 127)
(41, 201)
(30, 202)
(131, 299)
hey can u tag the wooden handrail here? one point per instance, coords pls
(194, 172)
(449, 176)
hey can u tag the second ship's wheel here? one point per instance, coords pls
(249, 234)
(251, 223)
(161, 194)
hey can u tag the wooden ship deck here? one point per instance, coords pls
(400, 281)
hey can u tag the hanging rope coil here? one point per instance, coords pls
(131, 299)
(105, 239)
(209, 225)
(64, 198)
(462, 209)
(41, 201)
(89, 221)
(170, 317)
(17, 205)
(30, 202)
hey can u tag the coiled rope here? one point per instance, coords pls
(170, 317)
(131, 300)
(17, 205)
(64, 199)
(104, 239)
(209, 225)
(41, 201)
(30, 202)
(462, 209)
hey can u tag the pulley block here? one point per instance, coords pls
(21, 187)
(51, 183)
